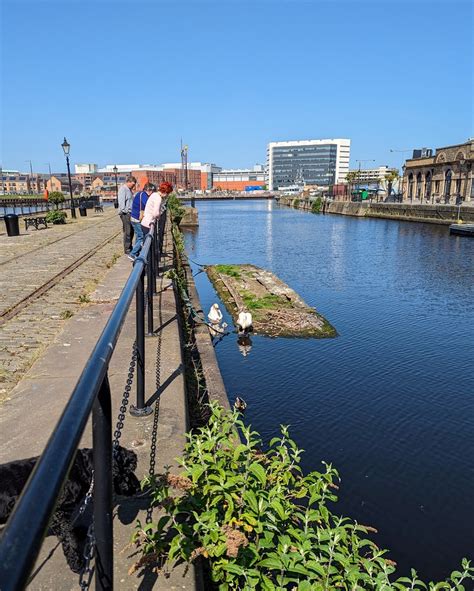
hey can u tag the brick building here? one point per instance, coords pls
(175, 176)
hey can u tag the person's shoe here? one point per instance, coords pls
(131, 257)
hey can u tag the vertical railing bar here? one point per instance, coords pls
(103, 518)
(140, 409)
(149, 286)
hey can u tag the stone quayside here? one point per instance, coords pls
(277, 310)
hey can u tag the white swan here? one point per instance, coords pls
(215, 315)
(244, 321)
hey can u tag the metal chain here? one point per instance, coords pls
(151, 470)
(85, 578)
(126, 397)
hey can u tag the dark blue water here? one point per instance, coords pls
(390, 401)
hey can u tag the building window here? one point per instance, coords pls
(418, 185)
(447, 184)
(428, 185)
(410, 186)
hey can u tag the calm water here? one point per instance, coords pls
(390, 402)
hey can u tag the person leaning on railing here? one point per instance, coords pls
(153, 206)
(136, 216)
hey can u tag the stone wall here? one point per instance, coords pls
(433, 214)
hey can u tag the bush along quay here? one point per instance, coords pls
(259, 523)
(276, 309)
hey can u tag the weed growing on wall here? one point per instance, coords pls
(260, 522)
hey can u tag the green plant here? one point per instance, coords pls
(56, 217)
(84, 299)
(56, 197)
(174, 206)
(231, 270)
(316, 205)
(296, 203)
(260, 522)
(65, 314)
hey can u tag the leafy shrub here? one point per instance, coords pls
(173, 205)
(296, 203)
(260, 522)
(56, 197)
(316, 205)
(56, 217)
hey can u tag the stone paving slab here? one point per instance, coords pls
(24, 274)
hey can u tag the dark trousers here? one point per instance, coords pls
(127, 232)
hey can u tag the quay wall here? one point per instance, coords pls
(429, 213)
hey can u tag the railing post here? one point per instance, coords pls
(103, 518)
(140, 409)
(149, 288)
(154, 255)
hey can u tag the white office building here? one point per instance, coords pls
(307, 162)
(371, 175)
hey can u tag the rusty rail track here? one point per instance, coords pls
(7, 315)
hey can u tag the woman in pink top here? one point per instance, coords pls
(153, 206)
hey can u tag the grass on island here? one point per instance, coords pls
(268, 302)
(231, 270)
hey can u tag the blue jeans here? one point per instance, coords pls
(137, 228)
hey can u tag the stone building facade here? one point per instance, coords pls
(445, 177)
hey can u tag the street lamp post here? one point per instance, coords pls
(66, 147)
(115, 169)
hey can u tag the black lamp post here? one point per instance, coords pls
(115, 169)
(66, 147)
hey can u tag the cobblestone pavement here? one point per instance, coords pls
(25, 336)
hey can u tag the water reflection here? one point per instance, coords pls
(244, 343)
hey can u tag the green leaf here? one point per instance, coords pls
(240, 449)
(251, 499)
(259, 472)
(233, 568)
(196, 473)
(272, 563)
(277, 506)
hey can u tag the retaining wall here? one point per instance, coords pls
(433, 214)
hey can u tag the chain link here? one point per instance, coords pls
(151, 470)
(85, 578)
(126, 397)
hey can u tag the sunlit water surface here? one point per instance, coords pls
(390, 401)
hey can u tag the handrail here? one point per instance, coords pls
(23, 536)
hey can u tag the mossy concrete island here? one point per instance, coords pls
(276, 309)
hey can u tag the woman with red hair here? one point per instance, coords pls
(153, 206)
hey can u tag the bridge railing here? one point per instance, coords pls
(23, 536)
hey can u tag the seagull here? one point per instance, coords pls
(244, 321)
(215, 315)
(240, 404)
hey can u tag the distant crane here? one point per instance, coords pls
(184, 166)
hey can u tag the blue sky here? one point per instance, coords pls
(124, 81)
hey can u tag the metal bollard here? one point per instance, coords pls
(103, 507)
(140, 410)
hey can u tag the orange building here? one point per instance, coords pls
(240, 179)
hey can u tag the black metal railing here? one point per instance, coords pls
(40, 205)
(23, 535)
